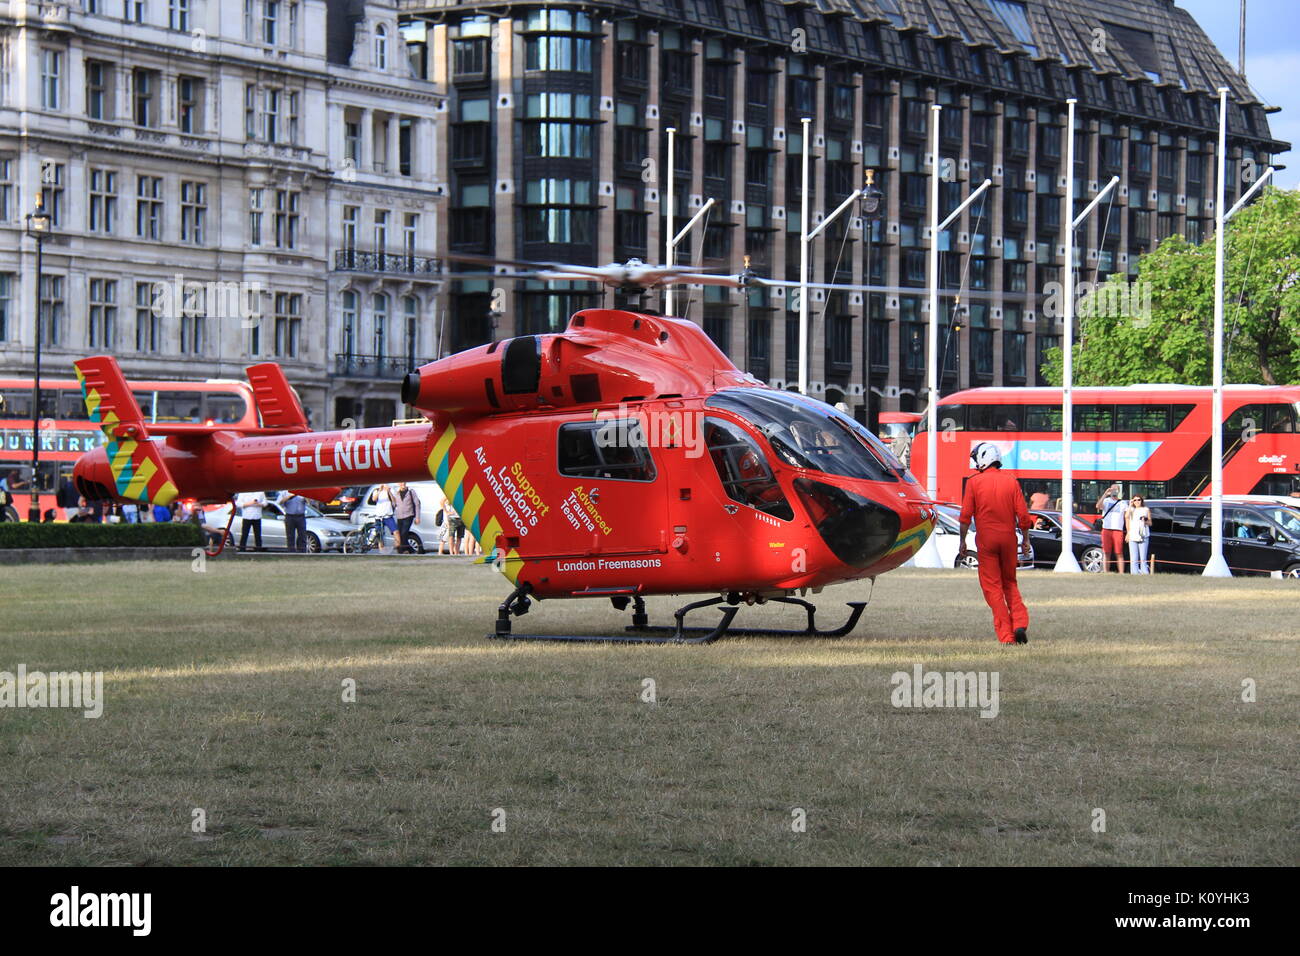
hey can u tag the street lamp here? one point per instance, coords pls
(38, 227)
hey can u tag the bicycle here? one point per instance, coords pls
(369, 538)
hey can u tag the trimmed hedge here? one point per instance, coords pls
(177, 534)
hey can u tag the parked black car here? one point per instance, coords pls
(1046, 537)
(1258, 538)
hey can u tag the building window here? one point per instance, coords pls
(145, 84)
(352, 142)
(411, 315)
(133, 11)
(288, 324)
(194, 212)
(52, 310)
(410, 237)
(103, 201)
(379, 314)
(348, 345)
(381, 47)
(471, 219)
(381, 230)
(189, 97)
(550, 129)
(178, 15)
(351, 214)
(286, 218)
(6, 304)
(192, 323)
(270, 21)
(250, 111)
(148, 330)
(101, 324)
(99, 98)
(291, 116)
(553, 211)
(554, 50)
(52, 191)
(271, 115)
(148, 207)
(7, 198)
(51, 79)
(255, 217)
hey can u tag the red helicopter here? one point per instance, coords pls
(623, 457)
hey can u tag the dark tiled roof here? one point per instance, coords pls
(1123, 38)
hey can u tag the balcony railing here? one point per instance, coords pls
(353, 260)
(376, 366)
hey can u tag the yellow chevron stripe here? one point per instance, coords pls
(440, 449)
(125, 450)
(489, 539)
(92, 401)
(138, 489)
(512, 565)
(166, 494)
(456, 476)
(473, 502)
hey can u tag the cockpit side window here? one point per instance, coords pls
(743, 470)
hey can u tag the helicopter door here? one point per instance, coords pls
(611, 495)
(743, 469)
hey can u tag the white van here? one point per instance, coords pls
(425, 532)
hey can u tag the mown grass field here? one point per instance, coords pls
(224, 692)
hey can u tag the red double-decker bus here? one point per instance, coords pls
(1154, 440)
(66, 433)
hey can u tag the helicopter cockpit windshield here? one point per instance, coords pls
(806, 434)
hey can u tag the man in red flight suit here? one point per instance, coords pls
(997, 505)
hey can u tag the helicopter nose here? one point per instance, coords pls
(858, 530)
(92, 476)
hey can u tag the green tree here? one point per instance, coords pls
(1160, 329)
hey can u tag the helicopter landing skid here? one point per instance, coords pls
(679, 631)
(635, 633)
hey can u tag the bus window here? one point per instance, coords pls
(1086, 493)
(1043, 418)
(1281, 418)
(1141, 418)
(1094, 418)
(1246, 420)
(952, 418)
(993, 418)
(178, 407)
(72, 408)
(18, 403)
(1278, 486)
(1178, 415)
(1147, 489)
(223, 408)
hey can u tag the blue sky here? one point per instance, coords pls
(1272, 60)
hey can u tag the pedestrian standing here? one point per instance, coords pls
(382, 498)
(250, 505)
(295, 522)
(994, 501)
(454, 525)
(1112, 529)
(406, 510)
(1137, 532)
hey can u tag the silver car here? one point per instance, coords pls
(323, 534)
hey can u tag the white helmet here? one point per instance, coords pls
(985, 455)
